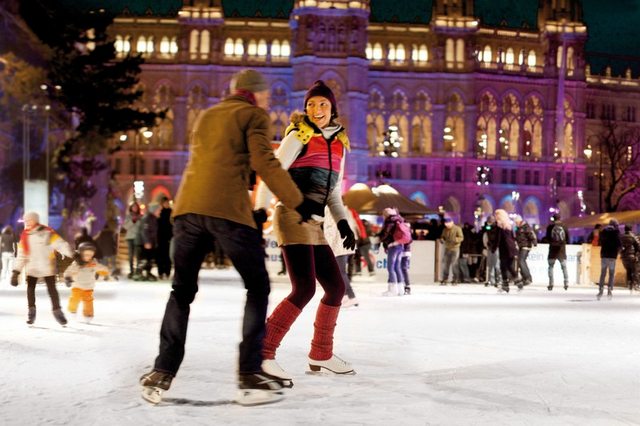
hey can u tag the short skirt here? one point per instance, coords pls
(289, 228)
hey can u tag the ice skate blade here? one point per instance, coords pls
(255, 397)
(152, 394)
(315, 370)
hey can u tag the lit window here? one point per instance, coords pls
(262, 48)
(150, 45)
(400, 53)
(377, 52)
(204, 43)
(252, 49)
(487, 55)
(369, 51)
(173, 47)
(449, 53)
(531, 59)
(521, 57)
(423, 56)
(391, 55)
(238, 48)
(460, 54)
(509, 57)
(275, 48)
(126, 45)
(228, 47)
(119, 44)
(193, 41)
(165, 46)
(141, 46)
(414, 53)
(285, 52)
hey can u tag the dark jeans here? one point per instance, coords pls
(607, 264)
(131, 246)
(145, 258)
(563, 266)
(630, 267)
(193, 235)
(523, 253)
(162, 257)
(405, 264)
(51, 288)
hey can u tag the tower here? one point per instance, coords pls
(328, 42)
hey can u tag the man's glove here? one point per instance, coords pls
(349, 239)
(309, 208)
(68, 281)
(259, 217)
(14, 278)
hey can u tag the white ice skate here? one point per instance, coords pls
(392, 290)
(347, 303)
(154, 384)
(152, 394)
(253, 397)
(400, 289)
(271, 367)
(333, 365)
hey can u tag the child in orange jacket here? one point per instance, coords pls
(81, 276)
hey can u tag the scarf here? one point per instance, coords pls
(24, 237)
(247, 95)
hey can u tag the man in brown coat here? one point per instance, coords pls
(230, 140)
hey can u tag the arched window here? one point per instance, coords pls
(509, 133)
(423, 55)
(460, 56)
(150, 45)
(194, 38)
(454, 140)
(141, 45)
(449, 53)
(569, 147)
(238, 48)
(391, 53)
(509, 57)
(531, 59)
(486, 56)
(173, 47)
(369, 51)
(533, 127)
(165, 46)
(252, 48)
(205, 40)
(570, 60)
(400, 53)
(275, 48)
(262, 48)
(377, 52)
(285, 51)
(119, 45)
(228, 47)
(521, 57)
(486, 129)
(126, 45)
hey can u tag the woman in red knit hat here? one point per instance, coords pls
(313, 151)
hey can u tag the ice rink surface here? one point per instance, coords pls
(443, 356)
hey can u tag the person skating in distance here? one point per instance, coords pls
(229, 141)
(313, 151)
(36, 255)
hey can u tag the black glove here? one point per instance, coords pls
(14, 278)
(309, 208)
(68, 281)
(349, 239)
(259, 217)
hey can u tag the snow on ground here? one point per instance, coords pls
(443, 356)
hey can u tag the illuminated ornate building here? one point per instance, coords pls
(490, 113)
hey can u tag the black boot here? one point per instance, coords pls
(59, 316)
(600, 293)
(31, 316)
(550, 287)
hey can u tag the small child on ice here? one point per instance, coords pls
(81, 276)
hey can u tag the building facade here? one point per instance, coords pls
(483, 116)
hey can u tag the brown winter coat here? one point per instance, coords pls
(229, 140)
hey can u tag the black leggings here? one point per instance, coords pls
(305, 264)
(51, 287)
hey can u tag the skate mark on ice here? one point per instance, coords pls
(195, 402)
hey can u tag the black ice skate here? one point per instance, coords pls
(31, 316)
(550, 287)
(609, 294)
(600, 294)
(566, 286)
(154, 384)
(258, 389)
(59, 316)
(407, 291)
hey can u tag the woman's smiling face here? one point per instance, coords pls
(319, 111)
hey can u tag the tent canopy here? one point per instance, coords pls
(630, 217)
(372, 201)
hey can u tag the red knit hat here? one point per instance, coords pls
(321, 89)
